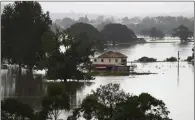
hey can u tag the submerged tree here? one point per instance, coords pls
(110, 103)
(93, 34)
(23, 24)
(182, 32)
(69, 63)
(118, 33)
(156, 33)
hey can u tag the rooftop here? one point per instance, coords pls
(111, 54)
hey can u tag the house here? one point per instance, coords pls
(110, 61)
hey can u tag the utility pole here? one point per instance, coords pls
(178, 68)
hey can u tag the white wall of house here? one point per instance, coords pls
(108, 61)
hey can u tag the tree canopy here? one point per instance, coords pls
(92, 33)
(12, 109)
(109, 102)
(67, 22)
(118, 33)
(67, 64)
(23, 24)
(182, 32)
(156, 33)
(163, 23)
(54, 102)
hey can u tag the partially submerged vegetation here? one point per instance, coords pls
(107, 73)
(143, 73)
(189, 59)
(146, 59)
(171, 59)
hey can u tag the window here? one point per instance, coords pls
(95, 60)
(109, 60)
(116, 60)
(102, 60)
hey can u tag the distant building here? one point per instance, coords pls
(110, 61)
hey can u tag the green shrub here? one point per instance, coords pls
(171, 59)
(147, 59)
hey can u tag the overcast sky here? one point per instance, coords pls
(113, 8)
(120, 9)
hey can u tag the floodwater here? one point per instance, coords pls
(175, 87)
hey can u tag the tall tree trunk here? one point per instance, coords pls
(30, 67)
(20, 70)
(110, 111)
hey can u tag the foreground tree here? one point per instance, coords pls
(12, 109)
(23, 24)
(182, 32)
(110, 103)
(118, 33)
(55, 102)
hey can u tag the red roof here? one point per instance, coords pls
(111, 54)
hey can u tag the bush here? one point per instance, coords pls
(12, 109)
(189, 59)
(147, 59)
(171, 59)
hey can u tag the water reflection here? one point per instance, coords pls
(30, 89)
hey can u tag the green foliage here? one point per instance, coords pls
(171, 59)
(142, 107)
(54, 102)
(118, 33)
(101, 104)
(12, 109)
(23, 24)
(163, 23)
(92, 33)
(67, 22)
(109, 102)
(153, 32)
(182, 32)
(156, 33)
(70, 63)
(83, 20)
(146, 59)
(190, 58)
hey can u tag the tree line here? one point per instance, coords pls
(154, 27)
(163, 23)
(137, 24)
